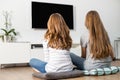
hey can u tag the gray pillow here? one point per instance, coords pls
(78, 73)
(59, 75)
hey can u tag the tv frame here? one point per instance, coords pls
(67, 16)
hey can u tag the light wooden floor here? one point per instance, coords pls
(25, 73)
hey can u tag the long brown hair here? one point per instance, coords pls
(58, 34)
(100, 46)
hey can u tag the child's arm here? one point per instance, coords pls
(46, 51)
(112, 55)
(83, 51)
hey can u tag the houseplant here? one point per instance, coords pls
(8, 33)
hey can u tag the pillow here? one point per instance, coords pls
(59, 75)
(114, 69)
(78, 73)
(107, 71)
(102, 71)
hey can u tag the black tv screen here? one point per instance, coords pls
(41, 12)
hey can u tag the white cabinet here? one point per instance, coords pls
(117, 48)
(22, 52)
(14, 53)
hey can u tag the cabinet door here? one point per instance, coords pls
(14, 53)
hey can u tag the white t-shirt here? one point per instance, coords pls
(57, 60)
(91, 63)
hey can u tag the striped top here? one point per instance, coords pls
(57, 60)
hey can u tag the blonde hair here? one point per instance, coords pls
(58, 33)
(100, 46)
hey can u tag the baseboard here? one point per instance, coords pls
(14, 65)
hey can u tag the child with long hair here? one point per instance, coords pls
(56, 45)
(96, 48)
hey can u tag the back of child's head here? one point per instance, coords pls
(100, 45)
(58, 32)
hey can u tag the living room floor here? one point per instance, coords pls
(25, 73)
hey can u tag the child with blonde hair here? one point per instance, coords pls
(96, 48)
(56, 45)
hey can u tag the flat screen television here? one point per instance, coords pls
(41, 12)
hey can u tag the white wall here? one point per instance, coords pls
(109, 11)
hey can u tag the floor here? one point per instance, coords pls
(25, 73)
